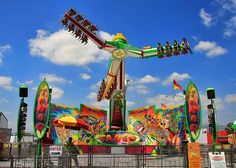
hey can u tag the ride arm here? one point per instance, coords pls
(83, 29)
(108, 85)
(159, 51)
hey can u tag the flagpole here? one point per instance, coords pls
(174, 95)
(178, 87)
(173, 92)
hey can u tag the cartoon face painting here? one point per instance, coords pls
(139, 128)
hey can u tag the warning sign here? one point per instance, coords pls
(217, 160)
(55, 150)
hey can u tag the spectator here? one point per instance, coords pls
(73, 150)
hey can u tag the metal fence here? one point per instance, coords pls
(134, 156)
(114, 160)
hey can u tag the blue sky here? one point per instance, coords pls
(34, 45)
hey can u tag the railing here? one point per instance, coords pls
(130, 156)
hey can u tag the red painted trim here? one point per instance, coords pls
(115, 80)
(111, 75)
(121, 69)
(106, 45)
(142, 54)
(103, 45)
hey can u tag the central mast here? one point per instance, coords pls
(118, 102)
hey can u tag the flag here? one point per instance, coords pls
(176, 85)
(163, 105)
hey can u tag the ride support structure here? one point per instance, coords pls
(113, 86)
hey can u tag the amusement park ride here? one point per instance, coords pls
(146, 125)
(113, 87)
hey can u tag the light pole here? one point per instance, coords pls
(212, 116)
(22, 115)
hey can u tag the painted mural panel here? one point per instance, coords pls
(112, 138)
(41, 110)
(143, 122)
(59, 135)
(193, 111)
(94, 118)
(172, 119)
(158, 126)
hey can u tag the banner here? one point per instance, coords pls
(194, 157)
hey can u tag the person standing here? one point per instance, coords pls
(72, 151)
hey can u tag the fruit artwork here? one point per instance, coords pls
(41, 109)
(117, 138)
(193, 111)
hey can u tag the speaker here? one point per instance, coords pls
(211, 93)
(23, 92)
(210, 106)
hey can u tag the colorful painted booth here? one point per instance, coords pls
(87, 125)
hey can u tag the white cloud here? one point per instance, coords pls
(228, 8)
(148, 79)
(104, 104)
(52, 78)
(141, 89)
(62, 49)
(2, 100)
(57, 92)
(230, 27)
(85, 76)
(6, 82)
(34, 88)
(219, 106)
(210, 48)
(219, 102)
(229, 5)
(204, 101)
(206, 17)
(105, 35)
(92, 100)
(96, 85)
(176, 76)
(130, 103)
(138, 88)
(137, 84)
(195, 38)
(92, 95)
(27, 82)
(177, 99)
(2, 50)
(230, 98)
